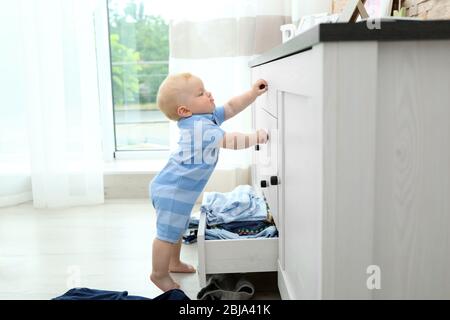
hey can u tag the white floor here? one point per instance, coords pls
(43, 253)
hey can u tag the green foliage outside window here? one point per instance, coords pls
(140, 54)
(124, 74)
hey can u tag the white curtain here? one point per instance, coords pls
(53, 94)
(215, 40)
(50, 141)
(15, 183)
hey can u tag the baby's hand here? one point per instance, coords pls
(259, 87)
(262, 136)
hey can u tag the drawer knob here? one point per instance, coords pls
(257, 147)
(274, 180)
(261, 87)
(263, 184)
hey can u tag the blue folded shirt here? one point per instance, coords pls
(241, 204)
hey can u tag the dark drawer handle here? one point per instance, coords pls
(263, 184)
(257, 147)
(274, 180)
(262, 86)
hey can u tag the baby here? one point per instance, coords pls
(174, 191)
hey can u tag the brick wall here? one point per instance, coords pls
(425, 9)
(428, 9)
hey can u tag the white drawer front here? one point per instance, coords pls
(235, 256)
(265, 101)
(265, 160)
(246, 255)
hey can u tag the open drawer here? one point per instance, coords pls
(234, 256)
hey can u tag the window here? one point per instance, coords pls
(139, 49)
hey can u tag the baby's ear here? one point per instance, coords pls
(184, 111)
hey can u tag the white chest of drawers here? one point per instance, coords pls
(359, 154)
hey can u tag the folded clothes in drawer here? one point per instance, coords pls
(236, 234)
(232, 230)
(241, 230)
(241, 213)
(241, 204)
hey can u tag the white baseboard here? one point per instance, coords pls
(6, 201)
(135, 185)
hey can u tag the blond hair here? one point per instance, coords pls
(171, 94)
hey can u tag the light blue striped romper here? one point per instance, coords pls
(178, 185)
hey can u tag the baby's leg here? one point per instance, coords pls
(176, 265)
(160, 276)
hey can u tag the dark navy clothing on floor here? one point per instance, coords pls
(95, 294)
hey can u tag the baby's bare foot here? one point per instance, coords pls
(181, 267)
(164, 282)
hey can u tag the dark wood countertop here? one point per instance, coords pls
(402, 30)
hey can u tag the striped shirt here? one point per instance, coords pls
(178, 185)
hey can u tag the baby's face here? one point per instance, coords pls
(199, 100)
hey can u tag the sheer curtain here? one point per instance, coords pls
(15, 182)
(215, 40)
(56, 95)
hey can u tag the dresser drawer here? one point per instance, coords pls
(234, 256)
(265, 160)
(268, 100)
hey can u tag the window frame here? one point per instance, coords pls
(106, 100)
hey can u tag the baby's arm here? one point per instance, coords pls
(239, 103)
(237, 141)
